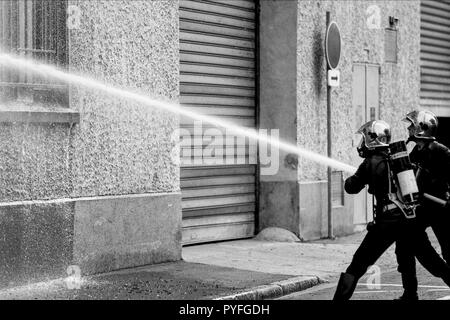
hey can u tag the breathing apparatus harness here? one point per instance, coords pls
(401, 175)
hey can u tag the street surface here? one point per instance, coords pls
(389, 288)
(226, 268)
(430, 288)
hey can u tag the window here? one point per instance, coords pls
(33, 29)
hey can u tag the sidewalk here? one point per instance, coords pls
(244, 269)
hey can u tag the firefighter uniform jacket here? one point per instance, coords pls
(433, 162)
(374, 172)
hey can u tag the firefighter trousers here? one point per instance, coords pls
(406, 252)
(383, 234)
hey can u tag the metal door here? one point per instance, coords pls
(217, 77)
(365, 101)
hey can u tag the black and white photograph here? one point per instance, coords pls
(233, 157)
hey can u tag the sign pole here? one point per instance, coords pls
(329, 191)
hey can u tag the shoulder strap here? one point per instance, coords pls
(374, 209)
(374, 206)
(389, 177)
(395, 198)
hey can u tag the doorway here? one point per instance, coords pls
(366, 107)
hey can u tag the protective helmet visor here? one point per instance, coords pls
(359, 140)
(408, 126)
(411, 117)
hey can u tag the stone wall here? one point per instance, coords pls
(102, 193)
(399, 83)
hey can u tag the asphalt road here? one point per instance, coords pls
(430, 288)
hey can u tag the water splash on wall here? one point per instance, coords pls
(11, 61)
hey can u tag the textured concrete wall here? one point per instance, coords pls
(120, 232)
(36, 241)
(278, 79)
(399, 83)
(122, 147)
(35, 161)
(118, 149)
(278, 198)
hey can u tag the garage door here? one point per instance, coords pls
(217, 78)
(435, 56)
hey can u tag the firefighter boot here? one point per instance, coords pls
(346, 286)
(410, 284)
(408, 296)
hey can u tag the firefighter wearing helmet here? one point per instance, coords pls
(375, 135)
(432, 162)
(390, 224)
(422, 125)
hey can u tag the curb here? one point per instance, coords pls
(276, 289)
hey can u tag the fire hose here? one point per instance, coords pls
(434, 199)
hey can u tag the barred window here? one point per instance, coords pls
(33, 29)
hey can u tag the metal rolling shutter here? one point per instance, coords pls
(435, 54)
(217, 75)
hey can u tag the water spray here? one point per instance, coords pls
(83, 81)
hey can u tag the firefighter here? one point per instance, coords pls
(390, 223)
(432, 162)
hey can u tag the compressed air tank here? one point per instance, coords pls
(402, 169)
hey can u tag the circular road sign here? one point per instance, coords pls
(333, 45)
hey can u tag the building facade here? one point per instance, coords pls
(90, 180)
(380, 78)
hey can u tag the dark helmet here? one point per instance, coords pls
(376, 134)
(423, 125)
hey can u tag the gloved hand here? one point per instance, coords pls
(370, 226)
(447, 205)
